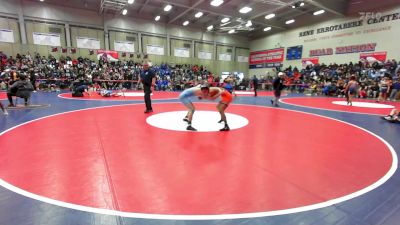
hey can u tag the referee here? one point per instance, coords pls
(148, 79)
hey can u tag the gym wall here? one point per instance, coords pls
(384, 34)
(47, 18)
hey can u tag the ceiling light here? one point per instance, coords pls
(270, 16)
(289, 21)
(231, 31)
(157, 18)
(41, 0)
(124, 12)
(198, 15)
(267, 29)
(249, 23)
(130, 1)
(167, 8)
(210, 27)
(185, 23)
(245, 9)
(216, 2)
(319, 12)
(224, 20)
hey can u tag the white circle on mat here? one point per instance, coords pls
(133, 94)
(365, 105)
(203, 121)
(244, 92)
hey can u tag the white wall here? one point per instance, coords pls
(47, 11)
(387, 40)
(139, 25)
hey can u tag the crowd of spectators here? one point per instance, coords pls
(330, 80)
(52, 74)
(49, 73)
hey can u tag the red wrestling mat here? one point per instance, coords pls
(259, 93)
(110, 158)
(127, 96)
(339, 104)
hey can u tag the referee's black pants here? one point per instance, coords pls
(147, 99)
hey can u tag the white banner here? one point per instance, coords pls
(6, 35)
(204, 55)
(182, 52)
(124, 46)
(242, 58)
(89, 43)
(46, 39)
(155, 50)
(225, 57)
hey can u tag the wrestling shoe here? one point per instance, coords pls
(190, 128)
(389, 118)
(226, 128)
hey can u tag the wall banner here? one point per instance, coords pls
(374, 56)
(267, 56)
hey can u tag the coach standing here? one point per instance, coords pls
(148, 79)
(278, 87)
(255, 85)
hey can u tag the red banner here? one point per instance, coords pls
(373, 56)
(309, 61)
(267, 56)
(109, 55)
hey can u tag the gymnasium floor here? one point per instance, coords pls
(97, 161)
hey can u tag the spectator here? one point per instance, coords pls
(255, 85)
(278, 87)
(80, 87)
(383, 88)
(395, 90)
(22, 88)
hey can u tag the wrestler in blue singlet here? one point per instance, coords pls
(187, 95)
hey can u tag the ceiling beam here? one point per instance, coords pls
(203, 10)
(198, 2)
(335, 7)
(273, 10)
(219, 14)
(101, 7)
(143, 6)
(267, 25)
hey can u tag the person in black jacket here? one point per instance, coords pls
(21, 88)
(255, 85)
(278, 87)
(148, 79)
(79, 87)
